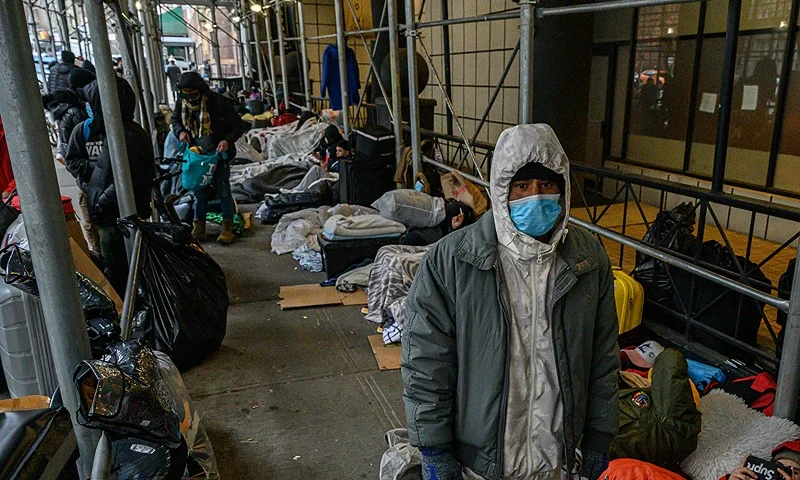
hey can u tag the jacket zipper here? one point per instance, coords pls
(504, 398)
(534, 369)
(559, 374)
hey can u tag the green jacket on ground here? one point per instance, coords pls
(660, 424)
(455, 348)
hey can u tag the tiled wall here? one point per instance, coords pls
(770, 228)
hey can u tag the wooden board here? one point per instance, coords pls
(387, 356)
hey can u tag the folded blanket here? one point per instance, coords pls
(305, 141)
(362, 226)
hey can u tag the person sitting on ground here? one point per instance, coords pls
(208, 120)
(59, 73)
(337, 152)
(787, 454)
(509, 347)
(88, 159)
(457, 215)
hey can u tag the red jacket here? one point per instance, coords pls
(7, 183)
(630, 469)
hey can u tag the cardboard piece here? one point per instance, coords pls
(387, 356)
(30, 402)
(86, 266)
(359, 297)
(313, 295)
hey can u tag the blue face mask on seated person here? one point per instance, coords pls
(419, 186)
(535, 215)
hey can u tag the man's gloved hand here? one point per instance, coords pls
(594, 464)
(439, 464)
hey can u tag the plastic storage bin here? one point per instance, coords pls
(24, 346)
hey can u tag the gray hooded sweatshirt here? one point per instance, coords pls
(533, 440)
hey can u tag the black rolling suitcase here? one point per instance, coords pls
(338, 256)
(370, 174)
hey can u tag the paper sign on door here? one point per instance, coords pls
(708, 102)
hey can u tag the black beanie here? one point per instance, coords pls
(67, 56)
(192, 79)
(80, 77)
(537, 171)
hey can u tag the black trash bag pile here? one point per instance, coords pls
(183, 296)
(721, 315)
(100, 312)
(674, 230)
(125, 395)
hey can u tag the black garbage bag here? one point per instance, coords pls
(125, 395)
(673, 229)
(183, 296)
(733, 307)
(99, 311)
(137, 459)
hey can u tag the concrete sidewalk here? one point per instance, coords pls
(291, 394)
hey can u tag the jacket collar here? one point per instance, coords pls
(478, 247)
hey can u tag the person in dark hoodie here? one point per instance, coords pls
(208, 120)
(59, 73)
(89, 161)
(68, 111)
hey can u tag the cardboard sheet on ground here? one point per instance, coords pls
(388, 356)
(313, 295)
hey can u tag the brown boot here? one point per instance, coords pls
(226, 236)
(199, 230)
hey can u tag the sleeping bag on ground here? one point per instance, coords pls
(411, 208)
(183, 296)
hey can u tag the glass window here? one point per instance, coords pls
(661, 87)
(758, 62)
(788, 165)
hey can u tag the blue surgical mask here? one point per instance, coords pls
(89, 110)
(535, 215)
(419, 186)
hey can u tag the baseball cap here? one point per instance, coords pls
(644, 355)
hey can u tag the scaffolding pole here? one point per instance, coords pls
(38, 46)
(244, 45)
(153, 69)
(341, 46)
(253, 23)
(37, 183)
(50, 36)
(413, 98)
(526, 12)
(282, 52)
(394, 65)
(271, 54)
(63, 24)
(130, 67)
(144, 68)
(78, 29)
(112, 116)
(304, 58)
(215, 39)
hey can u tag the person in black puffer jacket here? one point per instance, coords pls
(59, 73)
(68, 111)
(89, 161)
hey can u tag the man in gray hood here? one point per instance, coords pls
(510, 358)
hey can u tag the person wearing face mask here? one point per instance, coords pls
(510, 358)
(208, 120)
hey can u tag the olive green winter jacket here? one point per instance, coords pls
(660, 424)
(455, 339)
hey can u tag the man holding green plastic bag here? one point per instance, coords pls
(208, 123)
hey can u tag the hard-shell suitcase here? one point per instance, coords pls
(629, 296)
(338, 256)
(24, 345)
(373, 144)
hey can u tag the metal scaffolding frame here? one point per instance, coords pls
(528, 13)
(36, 176)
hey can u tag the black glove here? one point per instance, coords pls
(439, 464)
(594, 464)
